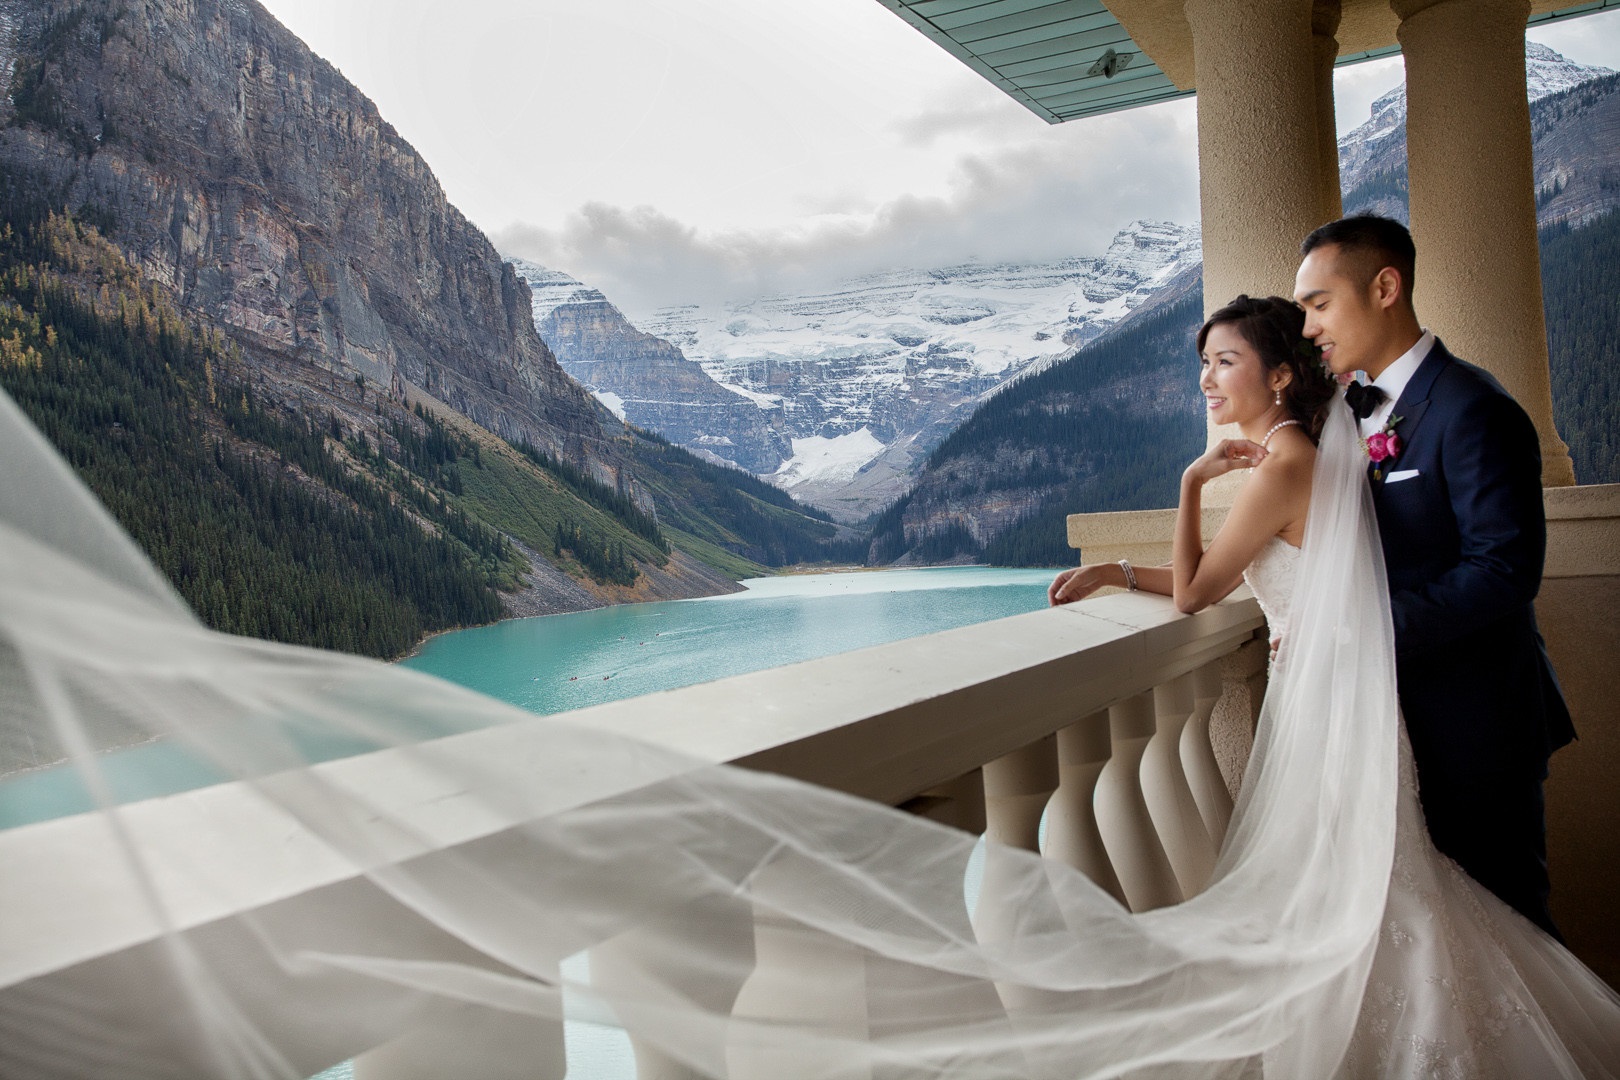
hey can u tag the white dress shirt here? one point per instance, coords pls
(1393, 381)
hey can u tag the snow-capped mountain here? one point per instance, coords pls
(868, 376)
(1370, 148)
(646, 380)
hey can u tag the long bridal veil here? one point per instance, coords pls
(227, 858)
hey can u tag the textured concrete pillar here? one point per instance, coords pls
(1478, 280)
(1264, 181)
(1268, 166)
(1324, 52)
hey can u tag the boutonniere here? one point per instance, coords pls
(1382, 445)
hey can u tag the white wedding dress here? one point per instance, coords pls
(1461, 986)
(429, 863)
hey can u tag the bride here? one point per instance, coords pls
(449, 897)
(1461, 984)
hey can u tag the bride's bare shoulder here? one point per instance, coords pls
(1292, 458)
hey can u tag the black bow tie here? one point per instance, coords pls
(1363, 398)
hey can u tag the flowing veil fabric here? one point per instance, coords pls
(291, 856)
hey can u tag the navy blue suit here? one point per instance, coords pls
(1464, 533)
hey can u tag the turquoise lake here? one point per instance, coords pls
(553, 663)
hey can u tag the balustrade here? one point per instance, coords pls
(1095, 717)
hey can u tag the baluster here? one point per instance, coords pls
(469, 1040)
(1017, 787)
(1198, 756)
(640, 965)
(1071, 820)
(802, 979)
(1122, 814)
(1169, 798)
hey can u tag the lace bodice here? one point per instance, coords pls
(1271, 578)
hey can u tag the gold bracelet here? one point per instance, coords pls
(1130, 575)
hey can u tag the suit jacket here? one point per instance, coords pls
(1464, 532)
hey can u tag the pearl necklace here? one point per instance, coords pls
(1278, 426)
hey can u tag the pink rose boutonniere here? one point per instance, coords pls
(1383, 445)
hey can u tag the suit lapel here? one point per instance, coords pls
(1411, 405)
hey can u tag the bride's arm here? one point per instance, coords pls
(1082, 581)
(1274, 498)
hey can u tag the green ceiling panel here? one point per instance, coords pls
(1048, 54)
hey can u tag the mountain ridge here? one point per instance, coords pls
(361, 345)
(858, 382)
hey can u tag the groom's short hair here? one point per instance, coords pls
(1371, 243)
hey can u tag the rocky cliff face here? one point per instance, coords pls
(1576, 136)
(260, 187)
(646, 380)
(1372, 158)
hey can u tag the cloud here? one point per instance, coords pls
(965, 112)
(1053, 193)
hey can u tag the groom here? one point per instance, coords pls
(1459, 506)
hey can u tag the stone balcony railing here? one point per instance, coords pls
(1096, 716)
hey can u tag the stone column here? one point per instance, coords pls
(1324, 53)
(1265, 179)
(1267, 157)
(1478, 280)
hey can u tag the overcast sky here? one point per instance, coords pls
(670, 152)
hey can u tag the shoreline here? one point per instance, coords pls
(798, 570)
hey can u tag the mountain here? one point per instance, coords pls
(240, 304)
(1372, 158)
(264, 192)
(1108, 430)
(854, 385)
(646, 380)
(1110, 427)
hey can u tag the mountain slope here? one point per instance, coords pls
(265, 525)
(262, 189)
(644, 379)
(369, 364)
(1574, 129)
(849, 389)
(1108, 429)
(863, 380)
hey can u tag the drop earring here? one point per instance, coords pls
(1276, 397)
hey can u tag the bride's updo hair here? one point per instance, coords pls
(1275, 327)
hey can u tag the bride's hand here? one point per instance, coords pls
(1224, 457)
(1081, 582)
